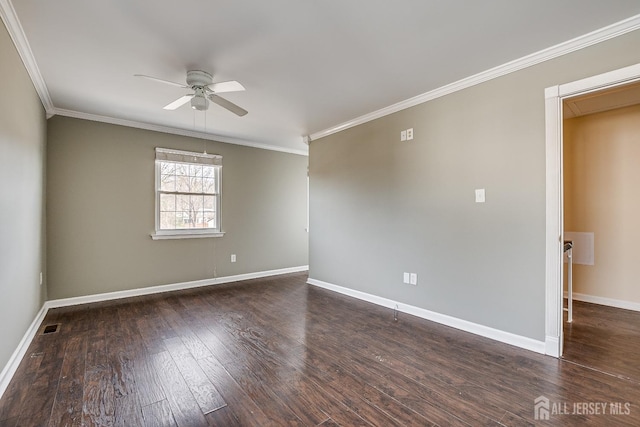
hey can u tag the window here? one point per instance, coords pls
(187, 194)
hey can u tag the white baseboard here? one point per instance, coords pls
(168, 288)
(464, 325)
(617, 303)
(13, 363)
(552, 346)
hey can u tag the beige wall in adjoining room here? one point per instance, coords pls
(22, 234)
(101, 211)
(602, 196)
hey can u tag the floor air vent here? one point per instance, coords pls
(50, 329)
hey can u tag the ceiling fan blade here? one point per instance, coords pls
(228, 105)
(178, 102)
(162, 81)
(230, 86)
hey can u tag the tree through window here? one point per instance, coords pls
(187, 192)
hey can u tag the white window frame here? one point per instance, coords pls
(189, 157)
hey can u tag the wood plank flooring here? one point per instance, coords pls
(278, 352)
(604, 338)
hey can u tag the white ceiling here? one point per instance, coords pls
(307, 65)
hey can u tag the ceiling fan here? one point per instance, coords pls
(204, 90)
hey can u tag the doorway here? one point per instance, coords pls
(601, 149)
(555, 98)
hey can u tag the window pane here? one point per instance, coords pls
(195, 170)
(167, 202)
(196, 185)
(182, 202)
(167, 182)
(195, 203)
(208, 171)
(209, 203)
(167, 168)
(200, 223)
(209, 185)
(210, 219)
(183, 184)
(182, 169)
(167, 220)
(183, 220)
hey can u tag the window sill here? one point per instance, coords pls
(165, 235)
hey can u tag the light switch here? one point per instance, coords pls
(233, 257)
(406, 278)
(480, 195)
(414, 279)
(403, 135)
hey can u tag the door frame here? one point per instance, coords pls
(554, 98)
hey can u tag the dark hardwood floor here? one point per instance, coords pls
(604, 338)
(275, 352)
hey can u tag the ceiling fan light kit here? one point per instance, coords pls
(199, 103)
(204, 90)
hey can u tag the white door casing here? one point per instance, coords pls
(554, 97)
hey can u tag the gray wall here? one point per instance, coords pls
(22, 153)
(380, 207)
(100, 196)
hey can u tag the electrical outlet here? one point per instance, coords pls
(480, 195)
(413, 279)
(409, 134)
(403, 135)
(233, 257)
(406, 278)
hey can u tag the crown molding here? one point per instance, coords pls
(581, 42)
(10, 19)
(176, 131)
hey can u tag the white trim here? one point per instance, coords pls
(552, 346)
(11, 21)
(176, 131)
(464, 325)
(594, 37)
(14, 361)
(173, 155)
(64, 302)
(19, 38)
(607, 80)
(554, 96)
(170, 235)
(553, 225)
(610, 302)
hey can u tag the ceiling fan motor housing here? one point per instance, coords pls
(198, 78)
